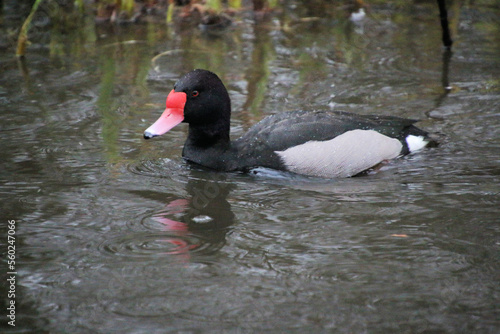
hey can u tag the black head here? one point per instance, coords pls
(200, 99)
(207, 100)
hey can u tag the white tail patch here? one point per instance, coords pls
(343, 156)
(416, 143)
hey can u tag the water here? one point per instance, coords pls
(116, 234)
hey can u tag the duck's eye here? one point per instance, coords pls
(195, 93)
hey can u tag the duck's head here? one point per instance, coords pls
(198, 98)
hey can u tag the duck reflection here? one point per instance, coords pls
(197, 224)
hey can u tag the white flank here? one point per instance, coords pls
(343, 156)
(416, 143)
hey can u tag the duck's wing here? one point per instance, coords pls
(282, 131)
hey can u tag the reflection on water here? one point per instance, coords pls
(115, 233)
(184, 227)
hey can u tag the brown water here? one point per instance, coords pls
(116, 234)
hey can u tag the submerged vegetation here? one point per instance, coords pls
(208, 15)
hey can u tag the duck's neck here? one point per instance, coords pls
(209, 146)
(203, 136)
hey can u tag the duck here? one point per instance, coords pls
(317, 143)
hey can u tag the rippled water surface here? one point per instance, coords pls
(116, 234)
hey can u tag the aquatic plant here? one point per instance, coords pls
(22, 40)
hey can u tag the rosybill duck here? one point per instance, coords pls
(317, 143)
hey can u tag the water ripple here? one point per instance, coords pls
(159, 168)
(151, 245)
(148, 306)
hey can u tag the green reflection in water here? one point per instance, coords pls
(258, 72)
